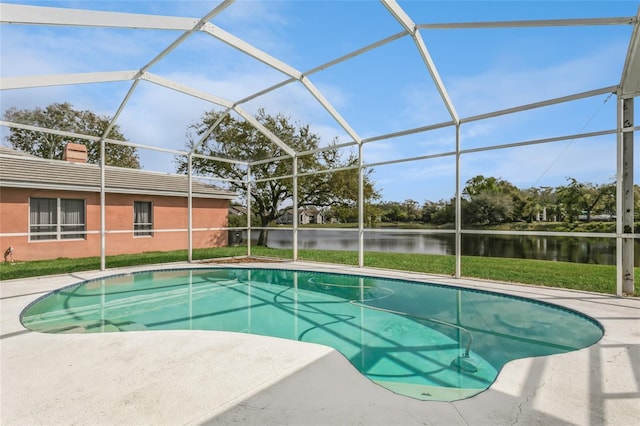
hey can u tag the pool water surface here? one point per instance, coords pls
(425, 341)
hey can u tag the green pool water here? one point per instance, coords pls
(425, 341)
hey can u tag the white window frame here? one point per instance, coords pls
(143, 229)
(57, 232)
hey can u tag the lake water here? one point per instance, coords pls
(567, 249)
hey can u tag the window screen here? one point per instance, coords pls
(142, 219)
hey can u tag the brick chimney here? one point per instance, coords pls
(75, 153)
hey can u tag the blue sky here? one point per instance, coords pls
(382, 91)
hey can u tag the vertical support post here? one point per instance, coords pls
(103, 301)
(295, 305)
(190, 209)
(360, 208)
(459, 318)
(190, 296)
(295, 208)
(249, 301)
(103, 207)
(458, 272)
(624, 199)
(248, 210)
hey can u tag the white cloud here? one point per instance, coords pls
(379, 151)
(424, 180)
(37, 51)
(476, 129)
(157, 116)
(328, 133)
(549, 164)
(501, 88)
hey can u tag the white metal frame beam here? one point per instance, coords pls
(284, 68)
(630, 80)
(255, 123)
(243, 46)
(411, 28)
(178, 87)
(575, 22)
(208, 132)
(27, 82)
(40, 15)
(548, 102)
(330, 109)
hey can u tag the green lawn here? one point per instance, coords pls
(578, 276)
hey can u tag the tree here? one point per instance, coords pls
(608, 200)
(372, 214)
(392, 211)
(532, 208)
(412, 209)
(579, 197)
(490, 201)
(239, 140)
(407, 211)
(342, 214)
(488, 208)
(64, 117)
(440, 213)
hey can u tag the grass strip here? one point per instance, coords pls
(576, 276)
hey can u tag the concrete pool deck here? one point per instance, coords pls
(201, 377)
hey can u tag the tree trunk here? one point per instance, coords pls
(262, 238)
(264, 233)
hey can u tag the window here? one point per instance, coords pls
(43, 218)
(56, 219)
(72, 219)
(142, 219)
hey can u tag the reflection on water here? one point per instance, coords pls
(600, 251)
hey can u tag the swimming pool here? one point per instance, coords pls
(425, 341)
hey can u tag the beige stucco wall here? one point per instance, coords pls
(168, 213)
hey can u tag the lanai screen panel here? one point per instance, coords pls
(523, 80)
(267, 55)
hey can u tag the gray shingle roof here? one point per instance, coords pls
(20, 170)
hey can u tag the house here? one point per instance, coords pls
(305, 216)
(51, 208)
